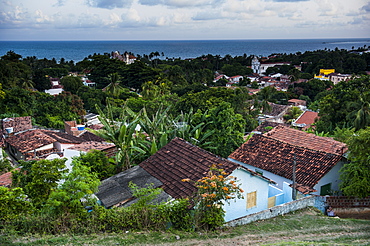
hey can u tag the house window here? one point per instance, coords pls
(251, 199)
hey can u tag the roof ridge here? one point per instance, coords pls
(296, 146)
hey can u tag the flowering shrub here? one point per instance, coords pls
(212, 192)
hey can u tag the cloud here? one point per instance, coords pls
(290, 1)
(366, 8)
(40, 18)
(327, 8)
(182, 3)
(109, 4)
(14, 17)
(60, 3)
(208, 15)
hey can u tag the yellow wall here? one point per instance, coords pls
(327, 71)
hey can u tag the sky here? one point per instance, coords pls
(183, 19)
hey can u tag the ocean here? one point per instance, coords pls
(78, 50)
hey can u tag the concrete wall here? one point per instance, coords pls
(310, 201)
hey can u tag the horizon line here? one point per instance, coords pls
(151, 40)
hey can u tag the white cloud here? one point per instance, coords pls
(109, 4)
(201, 19)
(182, 3)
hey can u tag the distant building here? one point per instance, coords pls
(56, 87)
(297, 102)
(324, 74)
(265, 66)
(125, 57)
(337, 77)
(256, 65)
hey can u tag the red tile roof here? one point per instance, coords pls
(29, 140)
(89, 136)
(277, 157)
(62, 137)
(34, 139)
(179, 160)
(6, 179)
(308, 118)
(307, 140)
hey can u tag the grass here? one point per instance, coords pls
(304, 227)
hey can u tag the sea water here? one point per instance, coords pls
(78, 50)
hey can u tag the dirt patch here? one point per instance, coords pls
(353, 213)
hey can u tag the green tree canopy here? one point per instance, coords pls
(355, 175)
(71, 84)
(39, 178)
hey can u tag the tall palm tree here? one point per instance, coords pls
(114, 87)
(362, 118)
(27, 83)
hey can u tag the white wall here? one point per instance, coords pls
(331, 177)
(69, 154)
(49, 146)
(278, 179)
(248, 183)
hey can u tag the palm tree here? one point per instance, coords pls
(362, 115)
(114, 87)
(149, 90)
(27, 83)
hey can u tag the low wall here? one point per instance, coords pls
(310, 201)
(347, 202)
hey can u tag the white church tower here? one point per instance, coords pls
(256, 65)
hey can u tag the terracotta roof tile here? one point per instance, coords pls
(62, 137)
(6, 179)
(89, 136)
(29, 140)
(307, 117)
(179, 160)
(307, 140)
(277, 156)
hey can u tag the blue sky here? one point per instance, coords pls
(183, 19)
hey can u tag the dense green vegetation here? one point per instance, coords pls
(167, 98)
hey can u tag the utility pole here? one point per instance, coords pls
(294, 191)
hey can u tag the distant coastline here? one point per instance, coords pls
(78, 50)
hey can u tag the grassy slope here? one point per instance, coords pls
(306, 227)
